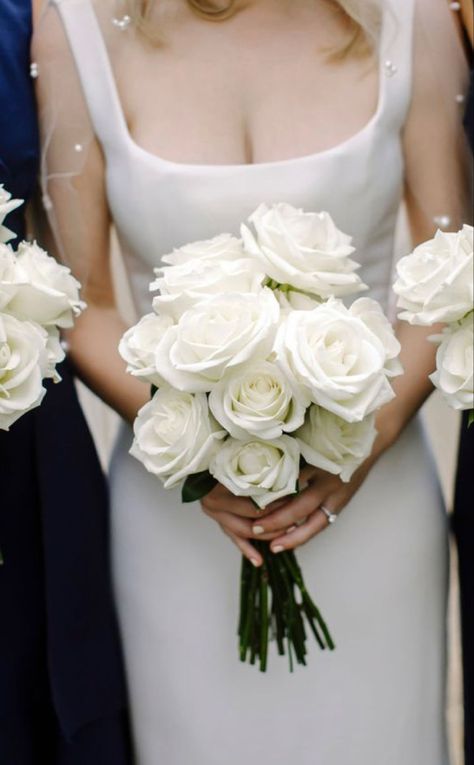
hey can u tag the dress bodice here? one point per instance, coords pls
(19, 150)
(158, 204)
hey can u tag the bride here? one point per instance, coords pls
(174, 119)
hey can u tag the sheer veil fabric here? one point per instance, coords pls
(380, 574)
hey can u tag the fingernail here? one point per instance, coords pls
(254, 562)
(258, 530)
(292, 528)
(278, 549)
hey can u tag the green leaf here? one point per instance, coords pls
(470, 418)
(196, 486)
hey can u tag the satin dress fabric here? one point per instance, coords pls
(379, 574)
(62, 688)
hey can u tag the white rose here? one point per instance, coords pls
(338, 357)
(435, 282)
(47, 292)
(454, 364)
(304, 250)
(23, 359)
(219, 248)
(7, 275)
(184, 285)
(332, 444)
(371, 313)
(258, 400)
(294, 300)
(139, 344)
(262, 470)
(221, 332)
(175, 435)
(7, 204)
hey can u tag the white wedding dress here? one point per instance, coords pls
(379, 575)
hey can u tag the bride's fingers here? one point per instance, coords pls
(221, 500)
(309, 473)
(292, 513)
(314, 524)
(241, 527)
(246, 548)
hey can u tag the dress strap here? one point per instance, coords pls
(94, 68)
(396, 61)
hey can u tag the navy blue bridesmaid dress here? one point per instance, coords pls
(463, 522)
(62, 693)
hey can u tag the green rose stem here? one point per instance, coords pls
(249, 613)
(292, 563)
(290, 608)
(264, 620)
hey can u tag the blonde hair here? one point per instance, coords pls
(363, 18)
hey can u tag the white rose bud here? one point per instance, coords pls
(339, 359)
(47, 292)
(219, 333)
(454, 364)
(7, 205)
(332, 444)
(262, 470)
(304, 250)
(435, 282)
(219, 248)
(258, 400)
(139, 344)
(184, 285)
(8, 287)
(175, 435)
(23, 358)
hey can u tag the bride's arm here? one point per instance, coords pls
(74, 190)
(436, 187)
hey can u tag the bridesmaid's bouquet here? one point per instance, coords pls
(435, 284)
(38, 297)
(257, 367)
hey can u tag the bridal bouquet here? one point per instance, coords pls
(435, 284)
(256, 368)
(38, 297)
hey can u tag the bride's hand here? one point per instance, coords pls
(300, 518)
(237, 516)
(289, 523)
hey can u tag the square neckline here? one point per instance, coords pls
(200, 167)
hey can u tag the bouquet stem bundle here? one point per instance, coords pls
(274, 602)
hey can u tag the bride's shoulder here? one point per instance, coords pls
(48, 26)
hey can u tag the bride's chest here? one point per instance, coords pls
(220, 103)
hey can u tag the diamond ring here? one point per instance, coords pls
(332, 517)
